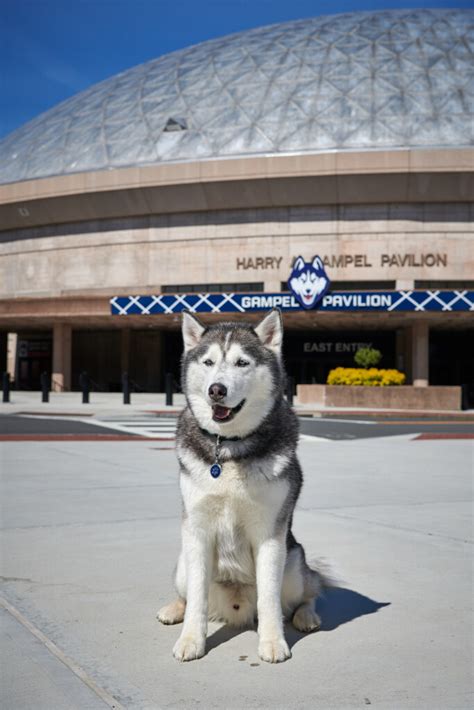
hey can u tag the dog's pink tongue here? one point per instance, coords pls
(221, 412)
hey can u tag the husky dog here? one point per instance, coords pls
(308, 281)
(240, 480)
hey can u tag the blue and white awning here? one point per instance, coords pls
(429, 301)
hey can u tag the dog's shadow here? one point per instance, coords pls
(336, 607)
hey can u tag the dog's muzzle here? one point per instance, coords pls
(225, 414)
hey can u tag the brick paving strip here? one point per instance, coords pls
(80, 437)
(430, 436)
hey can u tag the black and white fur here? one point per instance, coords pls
(239, 558)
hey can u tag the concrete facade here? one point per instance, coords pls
(400, 242)
(379, 220)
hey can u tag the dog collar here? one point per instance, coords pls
(218, 436)
(216, 468)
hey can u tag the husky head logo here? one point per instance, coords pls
(308, 281)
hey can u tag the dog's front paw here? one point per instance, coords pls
(274, 650)
(188, 648)
(172, 613)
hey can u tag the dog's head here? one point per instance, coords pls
(308, 281)
(232, 372)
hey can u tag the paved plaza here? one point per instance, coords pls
(91, 532)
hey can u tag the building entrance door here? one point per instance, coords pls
(34, 358)
(452, 361)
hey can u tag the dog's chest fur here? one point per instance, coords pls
(236, 509)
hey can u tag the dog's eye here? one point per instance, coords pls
(208, 363)
(242, 363)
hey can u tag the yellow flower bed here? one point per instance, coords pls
(371, 376)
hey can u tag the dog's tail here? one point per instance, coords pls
(323, 575)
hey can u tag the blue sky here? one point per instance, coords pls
(51, 49)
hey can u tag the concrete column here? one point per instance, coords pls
(61, 374)
(12, 353)
(420, 354)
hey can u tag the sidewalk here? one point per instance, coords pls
(91, 534)
(111, 403)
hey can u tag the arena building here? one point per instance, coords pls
(209, 170)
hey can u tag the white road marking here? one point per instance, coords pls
(310, 437)
(151, 427)
(333, 420)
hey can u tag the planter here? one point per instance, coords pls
(400, 397)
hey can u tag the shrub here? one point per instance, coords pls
(371, 377)
(367, 357)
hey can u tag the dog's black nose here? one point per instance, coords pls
(217, 391)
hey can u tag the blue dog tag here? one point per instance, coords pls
(216, 470)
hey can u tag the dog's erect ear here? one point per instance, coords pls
(317, 263)
(192, 331)
(299, 264)
(270, 331)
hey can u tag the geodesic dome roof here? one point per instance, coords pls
(365, 80)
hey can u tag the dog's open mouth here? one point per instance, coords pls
(225, 414)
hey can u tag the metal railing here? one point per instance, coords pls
(87, 384)
(6, 387)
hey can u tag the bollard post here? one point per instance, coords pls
(6, 386)
(169, 389)
(44, 387)
(84, 385)
(126, 388)
(290, 386)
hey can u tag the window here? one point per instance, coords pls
(212, 288)
(363, 285)
(458, 285)
(175, 124)
(355, 286)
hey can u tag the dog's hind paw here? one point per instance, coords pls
(188, 648)
(305, 619)
(274, 651)
(172, 613)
